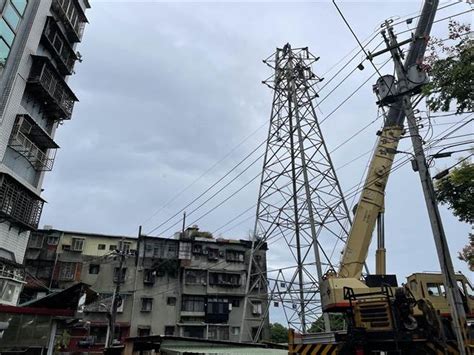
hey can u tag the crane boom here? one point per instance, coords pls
(370, 204)
(371, 199)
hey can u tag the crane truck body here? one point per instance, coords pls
(414, 318)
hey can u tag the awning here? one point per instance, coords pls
(218, 350)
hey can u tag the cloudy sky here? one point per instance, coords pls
(169, 90)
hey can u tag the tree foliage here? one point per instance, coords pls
(337, 322)
(450, 70)
(452, 79)
(467, 253)
(278, 333)
(456, 190)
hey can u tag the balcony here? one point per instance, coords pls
(11, 272)
(32, 142)
(59, 46)
(47, 83)
(18, 204)
(72, 16)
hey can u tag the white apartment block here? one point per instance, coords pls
(38, 42)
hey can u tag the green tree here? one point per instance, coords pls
(456, 190)
(278, 333)
(336, 320)
(450, 70)
(451, 80)
(467, 253)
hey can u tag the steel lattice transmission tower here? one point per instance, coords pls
(300, 207)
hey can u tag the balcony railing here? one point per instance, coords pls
(12, 273)
(19, 205)
(59, 47)
(51, 87)
(72, 16)
(34, 149)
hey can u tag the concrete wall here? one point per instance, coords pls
(169, 285)
(91, 243)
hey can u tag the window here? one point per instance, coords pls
(65, 247)
(77, 244)
(20, 5)
(235, 330)
(99, 333)
(171, 301)
(218, 305)
(117, 276)
(193, 304)
(218, 332)
(217, 310)
(172, 251)
(195, 277)
(193, 331)
(36, 241)
(147, 304)
(125, 246)
(52, 240)
(197, 249)
(224, 279)
(143, 331)
(256, 308)
(469, 290)
(235, 256)
(435, 289)
(6, 32)
(235, 303)
(169, 330)
(8, 293)
(4, 50)
(254, 332)
(67, 271)
(101, 247)
(94, 269)
(11, 16)
(149, 276)
(113, 247)
(212, 254)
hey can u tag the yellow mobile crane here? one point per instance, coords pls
(414, 318)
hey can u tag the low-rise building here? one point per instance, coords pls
(192, 285)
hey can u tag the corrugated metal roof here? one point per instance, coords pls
(219, 350)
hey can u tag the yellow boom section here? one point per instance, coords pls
(370, 204)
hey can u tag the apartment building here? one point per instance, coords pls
(38, 42)
(192, 285)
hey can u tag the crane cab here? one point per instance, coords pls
(431, 286)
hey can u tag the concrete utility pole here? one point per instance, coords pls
(113, 312)
(408, 80)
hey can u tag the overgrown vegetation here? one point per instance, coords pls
(451, 84)
(450, 70)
